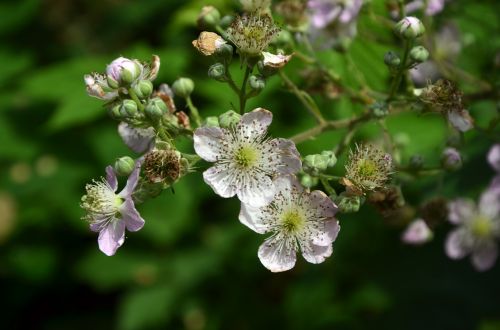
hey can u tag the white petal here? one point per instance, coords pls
(276, 255)
(275, 61)
(456, 245)
(461, 210)
(460, 119)
(254, 123)
(494, 157)
(489, 204)
(484, 258)
(289, 162)
(252, 218)
(322, 204)
(327, 234)
(221, 179)
(208, 142)
(285, 184)
(256, 190)
(417, 233)
(316, 254)
(112, 237)
(137, 139)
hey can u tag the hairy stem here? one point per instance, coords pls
(193, 111)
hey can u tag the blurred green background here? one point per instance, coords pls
(194, 266)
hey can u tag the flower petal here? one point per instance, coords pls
(460, 119)
(137, 139)
(322, 204)
(289, 162)
(254, 123)
(456, 245)
(276, 255)
(494, 157)
(316, 254)
(252, 218)
(131, 181)
(112, 237)
(131, 217)
(111, 178)
(484, 258)
(327, 234)
(208, 142)
(417, 233)
(489, 204)
(221, 179)
(461, 210)
(256, 190)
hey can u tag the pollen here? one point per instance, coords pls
(292, 221)
(252, 33)
(101, 200)
(246, 156)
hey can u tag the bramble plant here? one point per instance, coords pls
(295, 199)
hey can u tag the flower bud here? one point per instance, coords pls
(114, 112)
(419, 54)
(209, 17)
(143, 89)
(229, 119)
(308, 181)
(217, 71)
(124, 166)
(451, 159)
(155, 108)
(128, 108)
(225, 52)
(410, 28)
(315, 164)
(123, 72)
(226, 21)
(391, 59)
(208, 43)
(183, 87)
(330, 157)
(211, 121)
(257, 82)
(416, 162)
(379, 109)
(347, 203)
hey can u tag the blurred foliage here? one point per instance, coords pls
(194, 266)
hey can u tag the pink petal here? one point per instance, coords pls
(112, 237)
(277, 256)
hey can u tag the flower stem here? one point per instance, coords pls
(193, 111)
(401, 70)
(134, 97)
(243, 89)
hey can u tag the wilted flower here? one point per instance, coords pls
(97, 86)
(417, 233)
(162, 165)
(252, 33)
(275, 61)
(477, 232)
(136, 138)
(110, 213)
(246, 161)
(368, 168)
(298, 221)
(208, 43)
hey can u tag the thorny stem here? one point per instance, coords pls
(304, 98)
(399, 74)
(194, 111)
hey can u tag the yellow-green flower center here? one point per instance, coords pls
(481, 226)
(292, 221)
(246, 156)
(367, 168)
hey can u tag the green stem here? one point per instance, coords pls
(328, 188)
(134, 97)
(401, 70)
(243, 89)
(193, 111)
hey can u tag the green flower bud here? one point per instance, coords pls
(226, 21)
(124, 166)
(229, 119)
(123, 72)
(308, 181)
(217, 71)
(348, 203)
(209, 17)
(225, 52)
(257, 82)
(330, 157)
(410, 28)
(379, 109)
(143, 89)
(211, 121)
(419, 54)
(183, 87)
(391, 59)
(315, 164)
(155, 108)
(416, 162)
(114, 112)
(128, 108)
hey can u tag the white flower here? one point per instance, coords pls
(479, 228)
(298, 220)
(137, 139)
(246, 161)
(417, 233)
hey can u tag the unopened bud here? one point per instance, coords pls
(410, 28)
(211, 121)
(225, 52)
(209, 17)
(257, 82)
(419, 54)
(226, 21)
(124, 166)
(143, 89)
(330, 157)
(114, 112)
(451, 159)
(348, 203)
(122, 72)
(183, 87)
(308, 181)
(217, 71)
(155, 108)
(229, 119)
(391, 59)
(128, 108)
(379, 109)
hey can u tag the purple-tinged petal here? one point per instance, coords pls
(328, 234)
(276, 255)
(252, 218)
(494, 157)
(257, 190)
(255, 123)
(434, 7)
(484, 258)
(457, 245)
(322, 204)
(417, 233)
(112, 237)
(208, 142)
(131, 217)
(111, 178)
(460, 119)
(489, 203)
(221, 179)
(137, 139)
(290, 162)
(316, 254)
(132, 180)
(461, 210)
